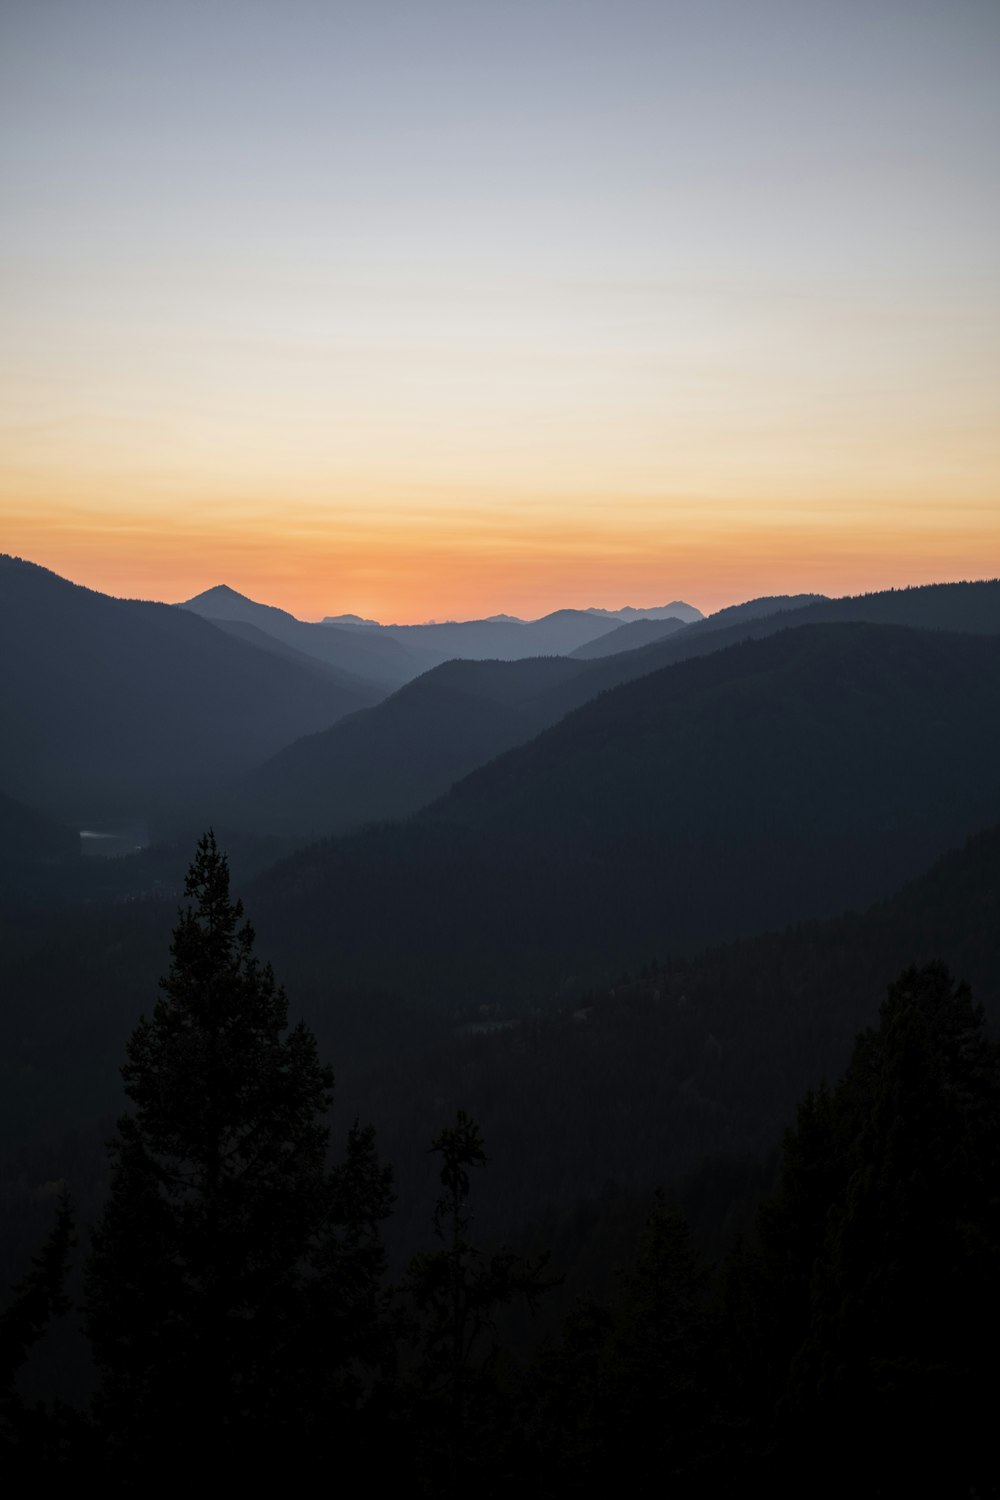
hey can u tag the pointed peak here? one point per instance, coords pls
(218, 591)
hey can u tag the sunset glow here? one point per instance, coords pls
(430, 309)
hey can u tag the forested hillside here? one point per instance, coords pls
(114, 706)
(391, 760)
(612, 959)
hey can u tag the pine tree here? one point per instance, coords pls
(873, 1300)
(459, 1417)
(226, 1238)
(34, 1434)
(629, 1388)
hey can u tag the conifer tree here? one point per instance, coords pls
(872, 1304)
(226, 1238)
(629, 1388)
(459, 1418)
(32, 1433)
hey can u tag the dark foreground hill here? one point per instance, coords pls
(114, 705)
(636, 1084)
(686, 1071)
(779, 780)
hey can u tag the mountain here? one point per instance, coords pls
(776, 781)
(971, 607)
(351, 622)
(645, 630)
(711, 1053)
(556, 634)
(360, 656)
(388, 761)
(678, 610)
(325, 670)
(756, 609)
(115, 706)
(760, 729)
(629, 637)
(505, 637)
(392, 759)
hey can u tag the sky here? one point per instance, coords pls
(438, 308)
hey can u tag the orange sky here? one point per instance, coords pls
(430, 311)
(443, 571)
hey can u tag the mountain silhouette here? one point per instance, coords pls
(388, 761)
(628, 637)
(116, 705)
(778, 780)
(392, 759)
(358, 654)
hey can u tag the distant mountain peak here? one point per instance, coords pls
(218, 592)
(353, 622)
(676, 609)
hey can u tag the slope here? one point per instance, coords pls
(368, 655)
(779, 780)
(388, 761)
(972, 607)
(711, 1053)
(394, 758)
(556, 634)
(640, 633)
(114, 705)
(628, 637)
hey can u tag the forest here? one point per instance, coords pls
(550, 1070)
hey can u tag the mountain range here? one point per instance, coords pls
(780, 779)
(625, 899)
(117, 705)
(399, 652)
(394, 758)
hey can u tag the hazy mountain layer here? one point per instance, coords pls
(371, 657)
(388, 761)
(254, 636)
(628, 638)
(556, 634)
(646, 632)
(394, 758)
(677, 610)
(114, 705)
(779, 780)
(973, 607)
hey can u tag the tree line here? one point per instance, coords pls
(242, 1324)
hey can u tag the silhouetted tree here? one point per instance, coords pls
(627, 1394)
(866, 1318)
(30, 1435)
(233, 1273)
(458, 1291)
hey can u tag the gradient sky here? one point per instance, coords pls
(446, 307)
